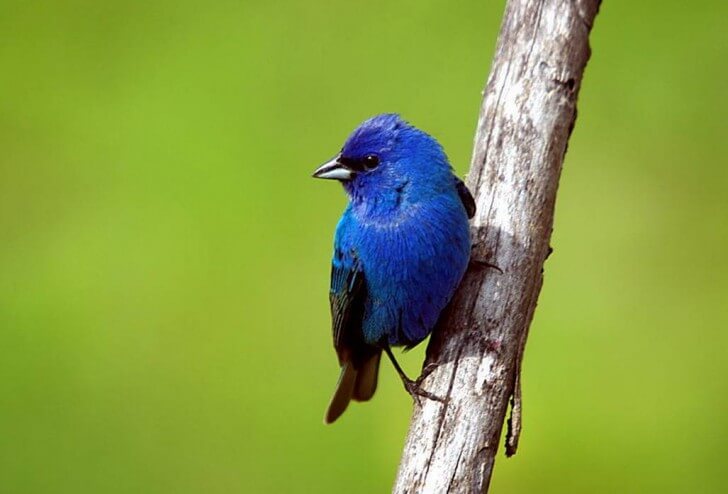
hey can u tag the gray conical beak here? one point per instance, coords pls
(333, 170)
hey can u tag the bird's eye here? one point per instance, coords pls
(371, 161)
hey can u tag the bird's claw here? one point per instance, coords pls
(485, 265)
(414, 388)
(426, 371)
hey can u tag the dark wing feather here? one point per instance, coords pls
(466, 197)
(347, 296)
(359, 361)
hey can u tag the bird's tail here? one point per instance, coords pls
(366, 379)
(357, 384)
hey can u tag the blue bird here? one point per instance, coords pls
(400, 250)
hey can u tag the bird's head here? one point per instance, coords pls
(385, 155)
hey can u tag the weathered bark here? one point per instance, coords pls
(527, 115)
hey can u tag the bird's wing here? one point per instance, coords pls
(466, 197)
(359, 361)
(347, 296)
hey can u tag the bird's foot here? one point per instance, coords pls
(426, 371)
(414, 388)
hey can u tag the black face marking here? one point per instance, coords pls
(368, 162)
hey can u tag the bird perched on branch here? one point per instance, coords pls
(400, 249)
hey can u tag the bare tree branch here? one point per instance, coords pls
(528, 112)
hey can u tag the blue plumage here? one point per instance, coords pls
(400, 250)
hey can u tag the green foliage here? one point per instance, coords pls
(165, 256)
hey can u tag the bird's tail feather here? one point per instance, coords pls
(366, 379)
(358, 384)
(342, 393)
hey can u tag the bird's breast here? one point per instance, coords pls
(412, 267)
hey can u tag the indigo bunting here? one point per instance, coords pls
(400, 250)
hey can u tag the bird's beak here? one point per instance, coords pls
(333, 170)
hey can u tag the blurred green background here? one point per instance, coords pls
(164, 255)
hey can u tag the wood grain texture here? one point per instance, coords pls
(528, 112)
